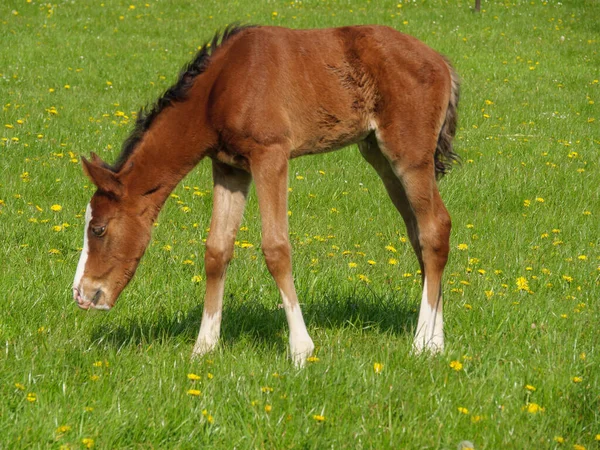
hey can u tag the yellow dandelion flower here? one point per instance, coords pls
(392, 261)
(559, 439)
(577, 379)
(268, 408)
(31, 397)
(196, 279)
(318, 418)
(456, 365)
(530, 388)
(533, 408)
(194, 392)
(578, 447)
(63, 429)
(19, 386)
(371, 262)
(390, 248)
(56, 208)
(522, 284)
(87, 442)
(462, 247)
(377, 367)
(312, 359)
(193, 376)
(463, 410)
(266, 389)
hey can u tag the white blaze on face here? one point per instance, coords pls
(84, 253)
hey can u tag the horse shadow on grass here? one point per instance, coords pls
(266, 326)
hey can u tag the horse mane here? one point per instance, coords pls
(176, 93)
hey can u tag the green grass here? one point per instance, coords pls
(529, 135)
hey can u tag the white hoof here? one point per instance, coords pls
(300, 350)
(204, 346)
(433, 345)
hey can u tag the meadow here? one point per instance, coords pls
(521, 289)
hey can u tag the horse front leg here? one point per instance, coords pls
(229, 199)
(270, 173)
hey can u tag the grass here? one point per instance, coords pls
(521, 288)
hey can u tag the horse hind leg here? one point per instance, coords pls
(409, 177)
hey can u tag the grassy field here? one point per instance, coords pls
(522, 289)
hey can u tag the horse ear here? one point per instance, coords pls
(104, 179)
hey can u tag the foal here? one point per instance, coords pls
(252, 100)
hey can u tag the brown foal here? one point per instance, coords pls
(251, 100)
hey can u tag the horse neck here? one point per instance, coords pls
(176, 141)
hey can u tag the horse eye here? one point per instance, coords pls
(99, 231)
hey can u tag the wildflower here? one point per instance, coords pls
(194, 392)
(456, 365)
(390, 248)
(392, 261)
(63, 429)
(56, 208)
(364, 278)
(533, 408)
(567, 278)
(318, 418)
(476, 419)
(268, 408)
(266, 389)
(377, 367)
(522, 284)
(577, 379)
(31, 397)
(312, 359)
(196, 279)
(371, 262)
(578, 447)
(87, 442)
(530, 388)
(559, 439)
(95, 377)
(462, 247)
(193, 376)
(19, 386)
(463, 410)
(539, 199)
(526, 203)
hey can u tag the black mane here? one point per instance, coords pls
(176, 93)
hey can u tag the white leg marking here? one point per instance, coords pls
(301, 345)
(210, 330)
(84, 253)
(430, 328)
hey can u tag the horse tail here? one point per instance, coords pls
(444, 154)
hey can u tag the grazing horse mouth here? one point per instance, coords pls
(87, 304)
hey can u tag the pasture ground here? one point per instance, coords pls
(521, 288)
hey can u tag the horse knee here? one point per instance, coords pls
(277, 256)
(216, 259)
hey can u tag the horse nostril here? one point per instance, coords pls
(97, 296)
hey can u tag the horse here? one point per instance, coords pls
(253, 98)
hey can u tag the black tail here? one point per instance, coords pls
(444, 153)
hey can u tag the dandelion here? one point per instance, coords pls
(364, 278)
(533, 408)
(371, 262)
(390, 248)
(377, 367)
(578, 447)
(194, 392)
(318, 418)
(577, 379)
(463, 410)
(312, 359)
(193, 376)
(63, 429)
(268, 408)
(456, 365)
(31, 397)
(19, 386)
(567, 278)
(526, 203)
(530, 388)
(266, 389)
(522, 284)
(559, 439)
(392, 261)
(462, 247)
(196, 279)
